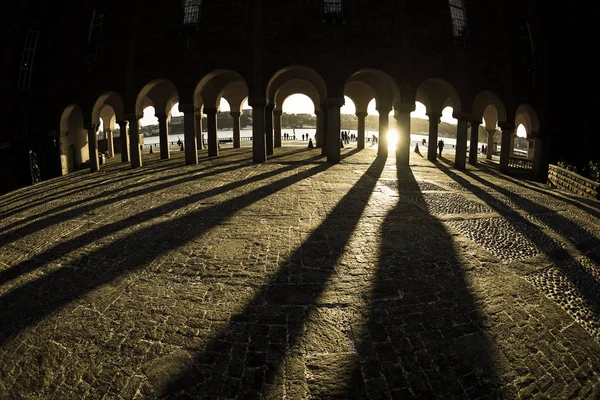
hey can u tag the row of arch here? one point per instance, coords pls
(78, 131)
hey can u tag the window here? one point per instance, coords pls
(528, 49)
(95, 30)
(27, 59)
(459, 21)
(332, 7)
(191, 11)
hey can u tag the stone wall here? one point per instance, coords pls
(569, 181)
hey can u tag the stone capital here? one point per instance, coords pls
(270, 107)
(122, 123)
(186, 108)
(235, 114)
(331, 102)
(90, 126)
(506, 126)
(362, 114)
(435, 117)
(490, 131)
(132, 117)
(404, 108)
(211, 110)
(462, 116)
(277, 112)
(161, 116)
(257, 103)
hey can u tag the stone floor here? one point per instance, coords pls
(297, 279)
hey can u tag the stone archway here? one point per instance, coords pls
(162, 95)
(482, 103)
(73, 140)
(207, 95)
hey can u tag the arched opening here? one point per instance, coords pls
(74, 152)
(372, 131)
(298, 120)
(153, 108)
(219, 96)
(350, 123)
(488, 107)
(106, 113)
(527, 132)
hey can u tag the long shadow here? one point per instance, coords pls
(85, 208)
(590, 206)
(422, 336)
(94, 202)
(51, 196)
(587, 285)
(241, 345)
(51, 254)
(60, 287)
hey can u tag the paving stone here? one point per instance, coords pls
(297, 279)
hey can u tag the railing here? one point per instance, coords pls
(520, 163)
(570, 181)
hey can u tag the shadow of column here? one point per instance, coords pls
(423, 334)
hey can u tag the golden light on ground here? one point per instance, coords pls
(392, 137)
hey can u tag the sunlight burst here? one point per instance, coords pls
(392, 137)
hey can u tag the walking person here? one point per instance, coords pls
(440, 146)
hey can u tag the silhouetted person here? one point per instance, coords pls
(440, 147)
(417, 148)
(310, 144)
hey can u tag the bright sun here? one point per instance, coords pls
(392, 138)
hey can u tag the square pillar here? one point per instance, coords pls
(277, 127)
(134, 141)
(322, 140)
(189, 134)
(163, 134)
(110, 144)
(269, 128)
(507, 132)
(490, 148)
(235, 115)
(384, 121)
(434, 124)
(198, 128)
(333, 140)
(460, 158)
(211, 123)
(362, 116)
(474, 145)
(93, 146)
(402, 116)
(123, 141)
(259, 146)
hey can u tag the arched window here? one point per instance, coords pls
(95, 30)
(459, 21)
(191, 11)
(27, 59)
(333, 10)
(528, 49)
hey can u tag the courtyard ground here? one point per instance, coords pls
(298, 279)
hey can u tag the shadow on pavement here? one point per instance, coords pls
(423, 334)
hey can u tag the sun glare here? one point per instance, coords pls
(392, 137)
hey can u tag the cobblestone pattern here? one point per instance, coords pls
(293, 279)
(575, 285)
(507, 239)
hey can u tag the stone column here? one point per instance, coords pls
(362, 115)
(333, 139)
(402, 116)
(474, 146)
(259, 146)
(110, 145)
(124, 141)
(319, 134)
(384, 118)
(211, 124)
(189, 134)
(134, 141)
(235, 115)
(507, 131)
(462, 127)
(198, 128)
(512, 144)
(489, 151)
(540, 154)
(269, 128)
(434, 124)
(323, 138)
(163, 133)
(277, 127)
(93, 147)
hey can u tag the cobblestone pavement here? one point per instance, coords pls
(297, 279)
